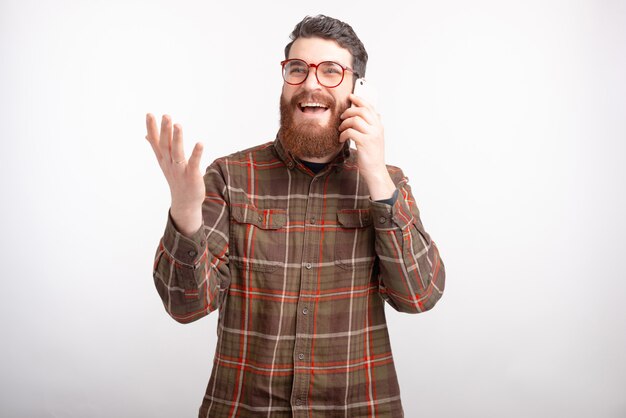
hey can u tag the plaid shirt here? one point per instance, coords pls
(299, 266)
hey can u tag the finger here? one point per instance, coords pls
(178, 152)
(359, 101)
(355, 122)
(363, 112)
(165, 140)
(196, 154)
(352, 134)
(153, 134)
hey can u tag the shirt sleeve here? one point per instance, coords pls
(191, 274)
(411, 273)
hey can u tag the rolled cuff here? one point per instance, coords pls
(397, 215)
(185, 250)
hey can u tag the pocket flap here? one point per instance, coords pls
(262, 218)
(354, 218)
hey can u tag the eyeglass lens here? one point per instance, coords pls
(329, 74)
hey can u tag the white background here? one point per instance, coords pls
(508, 117)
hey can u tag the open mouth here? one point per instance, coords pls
(312, 107)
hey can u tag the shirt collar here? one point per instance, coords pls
(291, 161)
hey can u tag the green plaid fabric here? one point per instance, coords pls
(299, 266)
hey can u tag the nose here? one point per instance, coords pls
(311, 82)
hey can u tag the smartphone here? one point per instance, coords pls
(365, 90)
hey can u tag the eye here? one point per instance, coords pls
(296, 69)
(332, 69)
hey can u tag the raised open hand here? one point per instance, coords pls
(183, 176)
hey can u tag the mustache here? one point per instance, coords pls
(304, 96)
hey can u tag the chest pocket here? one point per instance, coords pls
(354, 240)
(258, 239)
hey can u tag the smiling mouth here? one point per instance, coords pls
(312, 107)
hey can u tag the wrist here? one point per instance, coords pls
(186, 220)
(380, 185)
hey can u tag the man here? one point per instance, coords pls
(298, 243)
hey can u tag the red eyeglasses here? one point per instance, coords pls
(328, 73)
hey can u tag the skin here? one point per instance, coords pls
(183, 176)
(360, 123)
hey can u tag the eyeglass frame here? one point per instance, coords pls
(316, 66)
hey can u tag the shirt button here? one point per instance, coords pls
(308, 266)
(382, 219)
(305, 311)
(301, 356)
(192, 253)
(290, 164)
(298, 401)
(313, 220)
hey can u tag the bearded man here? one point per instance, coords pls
(298, 243)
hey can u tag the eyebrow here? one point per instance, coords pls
(318, 63)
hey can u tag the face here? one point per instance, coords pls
(311, 131)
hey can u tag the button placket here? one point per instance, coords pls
(308, 283)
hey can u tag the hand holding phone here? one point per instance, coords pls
(365, 91)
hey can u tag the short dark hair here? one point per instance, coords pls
(329, 28)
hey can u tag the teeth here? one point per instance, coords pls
(312, 105)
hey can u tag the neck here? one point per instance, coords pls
(325, 159)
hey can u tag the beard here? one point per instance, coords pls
(308, 139)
